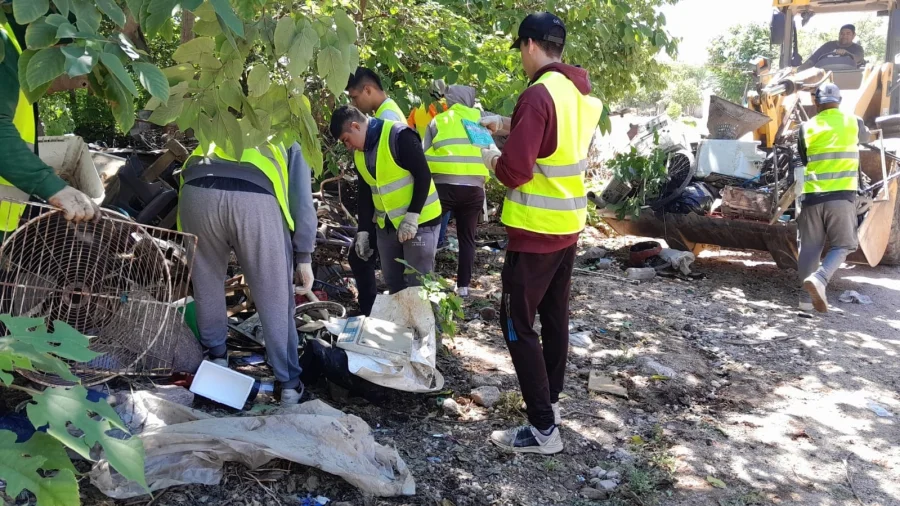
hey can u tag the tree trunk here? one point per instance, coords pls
(187, 26)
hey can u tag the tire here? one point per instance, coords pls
(892, 254)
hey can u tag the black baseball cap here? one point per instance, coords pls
(541, 26)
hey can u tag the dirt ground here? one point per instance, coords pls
(734, 399)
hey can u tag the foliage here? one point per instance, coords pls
(674, 110)
(646, 174)
(439, 291)
(56, 115)
(40, 464)
(730, 55)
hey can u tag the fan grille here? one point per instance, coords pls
(114, 280)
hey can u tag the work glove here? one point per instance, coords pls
(408, 227)
(303, 278)
(489, 157)
(363, 250)
(76, 206)
(496, 124)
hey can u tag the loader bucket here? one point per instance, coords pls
(728, 120)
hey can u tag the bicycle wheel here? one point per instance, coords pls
(681, 171)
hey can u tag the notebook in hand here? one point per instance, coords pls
(478, 135)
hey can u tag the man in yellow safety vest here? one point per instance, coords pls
(22, 173)
(260, 206)
(542, 165)
(396, 193)
(828, 146)
(367, 94)
(458, 173)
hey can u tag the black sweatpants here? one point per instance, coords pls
(538, 283)
(364, 273)
(467, 203)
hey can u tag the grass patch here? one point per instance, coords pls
(510, 405)
(751, 498)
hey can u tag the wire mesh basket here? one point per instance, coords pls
(116, 281)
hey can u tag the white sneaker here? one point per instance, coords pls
(557, 417)
(462, 291)
(816, 289)
(527, 439)
(291, 395)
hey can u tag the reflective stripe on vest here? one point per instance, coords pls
(392, 186)
(452, 157)
(11, 212)
(555, 200)
(831, 149)
(389, 105)
(273, 165)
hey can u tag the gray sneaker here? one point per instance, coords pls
(527, 439)
(816, 289)
(292, 395)
(557, 417)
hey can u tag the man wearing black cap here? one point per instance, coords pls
(837, 51)
(542, 165)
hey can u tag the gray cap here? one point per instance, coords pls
(828, 93)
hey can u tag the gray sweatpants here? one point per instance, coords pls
(832, 221)
(418, 252)
(252, 225)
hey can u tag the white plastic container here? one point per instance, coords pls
(222, 385)
(729, 158)
(70, 158)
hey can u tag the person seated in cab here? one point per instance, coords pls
(837, 51)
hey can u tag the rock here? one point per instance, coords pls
(623, 455)
(486, 396)
(594, 253)
(640, 273)
(452, 408)
(312, 483)
(614, 475)
(653, 367)
(581, 339)
(488, 313)
(604, 384)
(592, 494)
(604, 264)
(607, 485)
(481, 380)
(486, 283)
(597, 472)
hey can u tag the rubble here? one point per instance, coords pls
(605, 385)
(486, 396)
(452, 408)
(581, 339)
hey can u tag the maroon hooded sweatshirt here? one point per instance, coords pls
(532, 135)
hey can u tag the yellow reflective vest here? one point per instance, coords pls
(389, 105)
(10, 212)
(392, 186)
(452, 157)
(270, 159)
(555, 200)
(832, 152)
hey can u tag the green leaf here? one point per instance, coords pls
(26, 11)
(188, 117)
(332, 68)
(179, 73)
(63, 7)
(114, 65)
(65, 408)
(309, 135)
(40, 34)
(56, 20)
(79, 60)
(45, 66)
(66, 31)
(45, 445)
(165, 114)
(233, 132)
(351, 54)
(258, 80)
(127, 47)
(152, 79)
(346, 27)
(20, 461)
(231, 95)
(112, 11)
(206, 22)
(284, 35)
(191, 5)
(224, 10)
(121, 101)
(716, 482)
(191, 51)
(2, 50)
(88, 16)
(159, 12)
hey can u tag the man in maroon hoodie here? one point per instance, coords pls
(542, 165)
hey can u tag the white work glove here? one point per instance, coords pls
(361, 245)
(489, 157)
(496, 124)
(76, 206)
(408, 227)
(303, 278)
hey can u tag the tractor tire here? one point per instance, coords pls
(892, 253)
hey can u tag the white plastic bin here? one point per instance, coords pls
(738, 159)
(222, 385)
(69, 156)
